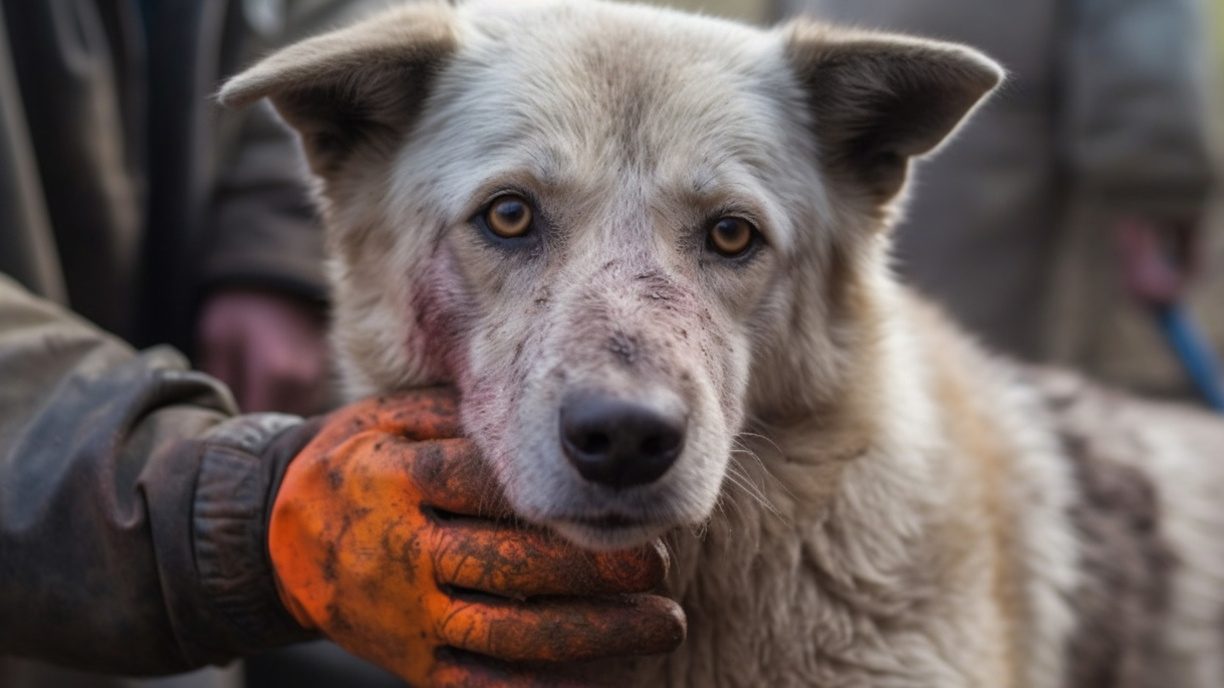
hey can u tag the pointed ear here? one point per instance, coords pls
(358, 87)
(878, 100)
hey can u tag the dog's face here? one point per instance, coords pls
(616, 229)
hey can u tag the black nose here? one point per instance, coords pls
(620, 443)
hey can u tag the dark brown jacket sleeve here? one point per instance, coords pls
(263, 229)
(132, 502)
(264, 232)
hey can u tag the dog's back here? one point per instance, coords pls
(1110, 505)
(1151, 519)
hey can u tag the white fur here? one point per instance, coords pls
(864, 498)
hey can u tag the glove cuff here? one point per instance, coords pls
(242, 464)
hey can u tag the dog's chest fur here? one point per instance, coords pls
(1044, 538)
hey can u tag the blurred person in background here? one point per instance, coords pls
(1072, 204)
(145, 208)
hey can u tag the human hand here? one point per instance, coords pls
(269, 348)
(1159, 259)
(391, 537)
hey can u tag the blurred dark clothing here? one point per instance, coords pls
(133, 505)
(124, 192)
(1103, 115)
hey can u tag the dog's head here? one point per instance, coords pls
(619, 230)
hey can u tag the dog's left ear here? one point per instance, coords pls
(878, 100)
(355, 89)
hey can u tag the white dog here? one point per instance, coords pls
(651, 249)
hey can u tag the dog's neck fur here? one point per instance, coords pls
(852, 547)
(866, 564)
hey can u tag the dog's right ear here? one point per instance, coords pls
(354, 88)
(878, 100)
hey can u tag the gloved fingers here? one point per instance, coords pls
(464, 670)
(500, 559)
(452, 477)
(419, 414)
(446, 476)
(564, 630)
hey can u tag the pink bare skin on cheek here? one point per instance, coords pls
(445, 319)
(445, 325)
(438, 334)
(442, 332)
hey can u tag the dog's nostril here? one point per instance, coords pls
(658, 443)
(595, 442)
(618, 442)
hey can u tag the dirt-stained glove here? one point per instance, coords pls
(389, 535)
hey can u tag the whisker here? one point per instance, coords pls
(764, 468)
(763, 437)
(738, 479)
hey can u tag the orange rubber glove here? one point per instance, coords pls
(391, 537)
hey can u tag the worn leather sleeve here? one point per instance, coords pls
(133, 503)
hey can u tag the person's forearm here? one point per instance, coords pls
(1136, 92)
(132, 503)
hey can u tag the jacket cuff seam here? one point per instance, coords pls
(229, 530)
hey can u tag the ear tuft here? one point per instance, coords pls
(878, 100)
(358, 85)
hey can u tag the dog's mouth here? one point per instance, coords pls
(609, 530)
(609, 521)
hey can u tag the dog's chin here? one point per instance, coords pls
(607, 533)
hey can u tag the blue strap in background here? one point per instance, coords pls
(1195, 354)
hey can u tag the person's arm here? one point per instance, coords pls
(132, 503)
(261, 327)
(264, 231)
(1135, 93)
(1136, 112)
(262, 295)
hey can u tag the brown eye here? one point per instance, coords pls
(731, 236)
(509, 217)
